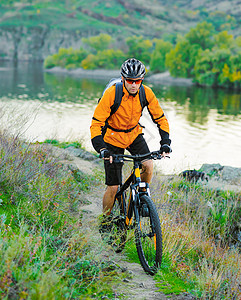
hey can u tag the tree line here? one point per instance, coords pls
(208, 57)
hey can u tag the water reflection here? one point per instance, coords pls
(65, 88)
(197, 101)
(204, 122)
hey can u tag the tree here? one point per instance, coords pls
(231, 73)
(89, 62)
(181, 60)
(158, 56)
(238, 41)
(106, 59)
(99, 42)
(223, 40)
(139, 48)
(201, 35)
(66, 58)
(209, 66)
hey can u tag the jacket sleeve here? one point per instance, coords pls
(101, 114)
(158, 116)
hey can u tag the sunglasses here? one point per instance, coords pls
(131, 81)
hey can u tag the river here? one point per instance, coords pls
(205, 123)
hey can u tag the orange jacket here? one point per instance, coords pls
(126, 117)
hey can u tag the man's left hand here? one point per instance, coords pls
(165, 150)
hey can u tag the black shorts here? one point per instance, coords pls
(113, 172)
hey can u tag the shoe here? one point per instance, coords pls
(106, 224)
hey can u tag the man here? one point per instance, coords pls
(123, 130)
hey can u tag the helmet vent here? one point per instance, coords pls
(133, 68)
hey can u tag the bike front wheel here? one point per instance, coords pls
(148, 236)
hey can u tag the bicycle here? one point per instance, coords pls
(138, 213)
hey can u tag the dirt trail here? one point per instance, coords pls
(138, 285)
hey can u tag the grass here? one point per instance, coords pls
(201, 255)
(44, 253)
(198, 244)
(63, 145)
(171, 283)
(45, 14)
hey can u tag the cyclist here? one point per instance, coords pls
(123, 130)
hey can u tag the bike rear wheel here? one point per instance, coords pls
(148, 236)
(118, 234)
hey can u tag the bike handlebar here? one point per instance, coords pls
(117, 158)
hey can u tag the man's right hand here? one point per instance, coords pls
(105, 154)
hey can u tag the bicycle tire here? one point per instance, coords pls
(148, 236)
(118, 234)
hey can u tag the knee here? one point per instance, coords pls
(112, 189)
(147, 167)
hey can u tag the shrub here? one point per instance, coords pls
(106, 59)
(66, 58)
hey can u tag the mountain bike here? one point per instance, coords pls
(135, 210)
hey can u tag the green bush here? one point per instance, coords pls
(99, 42)
(218, 68)
(66, 58)
(181, 60)
(106, 59)
(139, 48)
(158, 56)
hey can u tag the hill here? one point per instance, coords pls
(36, 29)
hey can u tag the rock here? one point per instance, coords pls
(81, 153)
(211, 169)
(35, 43)
(73, 151)
(229, 174)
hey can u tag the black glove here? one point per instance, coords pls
(104, 153)
(165, 148)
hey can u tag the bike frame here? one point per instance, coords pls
(141, 209)
(135, 183)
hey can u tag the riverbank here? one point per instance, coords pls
(161, 78)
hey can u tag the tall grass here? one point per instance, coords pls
(199, 239)
(44, 253)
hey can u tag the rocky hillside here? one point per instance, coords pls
(33, 31)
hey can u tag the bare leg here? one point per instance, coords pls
(109, 197)
(147, 171)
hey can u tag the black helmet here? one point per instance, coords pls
(133, 68)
